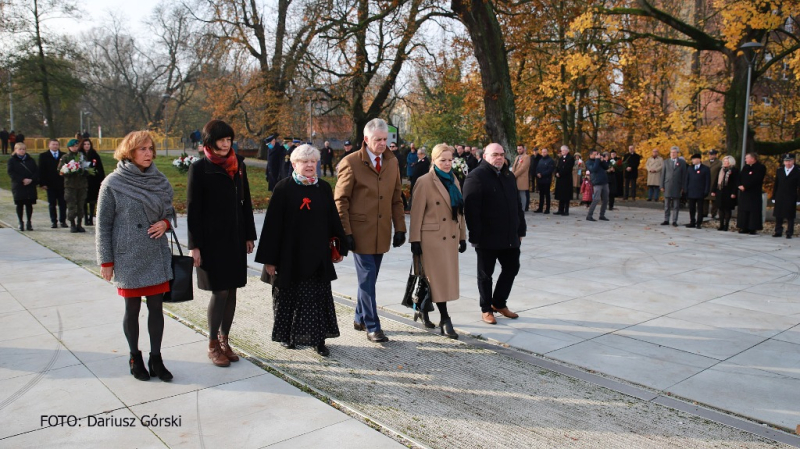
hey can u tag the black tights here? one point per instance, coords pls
(442, 306)
(155, 322)
(28, 211)
(220, 312)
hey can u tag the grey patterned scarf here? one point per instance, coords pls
(149, 187)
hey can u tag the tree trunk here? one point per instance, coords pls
(479, 18)
(733, 107)
(45, 81)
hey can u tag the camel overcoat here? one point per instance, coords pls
(369, 202)
(654, 165)
(433, 226)
(522, 166)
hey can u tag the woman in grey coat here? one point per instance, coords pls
(134, 210)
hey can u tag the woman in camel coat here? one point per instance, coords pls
(438, 231)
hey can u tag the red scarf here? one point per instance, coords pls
(229, 163)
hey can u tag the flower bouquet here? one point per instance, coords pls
(184, 162)
(72, 168)
(460, 169)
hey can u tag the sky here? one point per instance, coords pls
(95, 12)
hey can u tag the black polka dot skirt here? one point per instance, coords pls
(304, 313)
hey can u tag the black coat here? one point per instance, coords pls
(326, 155)
(18, 170)
(723, 194)
(752, 178)
(632, 161)
(785, 193)
(698, 182)
(492, 210)
(94, 179)
(219, 215)
(545, 167)
(275, 157)
(420, 168)
(48, 171)
(296, 239)
(564, 186)
(472, 161)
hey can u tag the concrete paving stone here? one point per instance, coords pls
(776, 289)
(746, 391)
(695, 338)
(77, 315)
(350, 434)
(767, 304)
(522, 299)
(8, 304)
(51, 295)
(775, 356)
(616, 276)
(91, 437)
(11, 270)
(550, 266)
(26, 355)
(107, 341)
(737, 319)
(637, 361)
(633, 297)
(568, 287)
(188, 363)
(543, 341)
(253, 412)
(699, 290)
(584, 312)
(19, 325)
(57, 392)
(791, 335)
(566, 331)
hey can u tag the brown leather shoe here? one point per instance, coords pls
(226, 348)
(488, 317)
(505, 312)
(216, 355)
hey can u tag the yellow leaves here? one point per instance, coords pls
(577, 64)
(582, 23)
(740, 15)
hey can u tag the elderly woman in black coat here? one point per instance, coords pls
(222, 232)
(726, 191)
(24, 176)
(301, 226)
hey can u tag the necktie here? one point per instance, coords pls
(378, 164)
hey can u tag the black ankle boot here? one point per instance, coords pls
(29, 227)
(157, 368)
(137, 366)
(78, 226)
(21, 226)
(72, 227)
(446, 327)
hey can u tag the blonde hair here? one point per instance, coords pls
(20, 145)
(131, 142)
(731, 160)
(438, 150)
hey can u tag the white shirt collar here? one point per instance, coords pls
(372, 156)
(788, 170)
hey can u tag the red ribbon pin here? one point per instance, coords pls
(306, 203)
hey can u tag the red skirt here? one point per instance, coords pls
(144, 291)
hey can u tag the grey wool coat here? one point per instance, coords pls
(121, 238)
(673, 177)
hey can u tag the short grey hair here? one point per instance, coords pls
(376, 124)
(674, 148)
(304, 152)
(422, 151)
(731, 160)
(564, 147)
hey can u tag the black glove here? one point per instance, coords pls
(351, 242)
(399, 239)
(462, 246)
(416, 249)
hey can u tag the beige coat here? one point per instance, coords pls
(522, 164)
(369, 202)
(433, 226)
(654, 167)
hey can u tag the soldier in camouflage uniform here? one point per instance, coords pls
(75, 186)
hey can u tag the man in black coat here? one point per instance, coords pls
(275, 153)
(751, 181)
(564, 180)
(51, 181)
(496, 225)
(4, 141)
(535, 158)
(631, 162)
(326, 154)
(422, 167)
(544, 178)
(785, 194)
(697, 187)
(472, 160)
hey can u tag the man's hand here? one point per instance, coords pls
(27, 181)
(416, 248)
(351, 242)
(195, 253)
(107, 273)
(628, 169)
(43, 187)
(462, 246)
(250, 245)
(538, 175)
(662, 189)
(713, 194)
(399, 239)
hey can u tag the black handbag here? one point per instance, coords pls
(418, 291)
(181, 287)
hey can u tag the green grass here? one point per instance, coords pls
(258, 183)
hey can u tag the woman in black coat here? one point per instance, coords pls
(222, 231)
(295, 248)
(94, 175)
(24, 177)
(726, 191)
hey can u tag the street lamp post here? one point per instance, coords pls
(166, 98)
(749, 49)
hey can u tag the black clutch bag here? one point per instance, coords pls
(181, 287)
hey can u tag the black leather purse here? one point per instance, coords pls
(181, 287)
(418, 291)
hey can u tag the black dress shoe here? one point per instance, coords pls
(557, 213)
(691, 225)
(699, 226)
(547, 212)
(752, 232)
(789, 236)
(323, 350)
(675, 224)
(54, 226)
(604, 219)
(537, 211)
(377, 337)
(359, 326)
(664, 223)
(590, 219)
(64, 224)
(288, 345)
(777, 234)
(743, 231)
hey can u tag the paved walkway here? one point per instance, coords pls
(62, 353)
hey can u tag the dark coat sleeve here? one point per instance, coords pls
(336, 229)
(194, 205)
(706, 181)
(272, 233)
(247, 206)
(473, 206)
